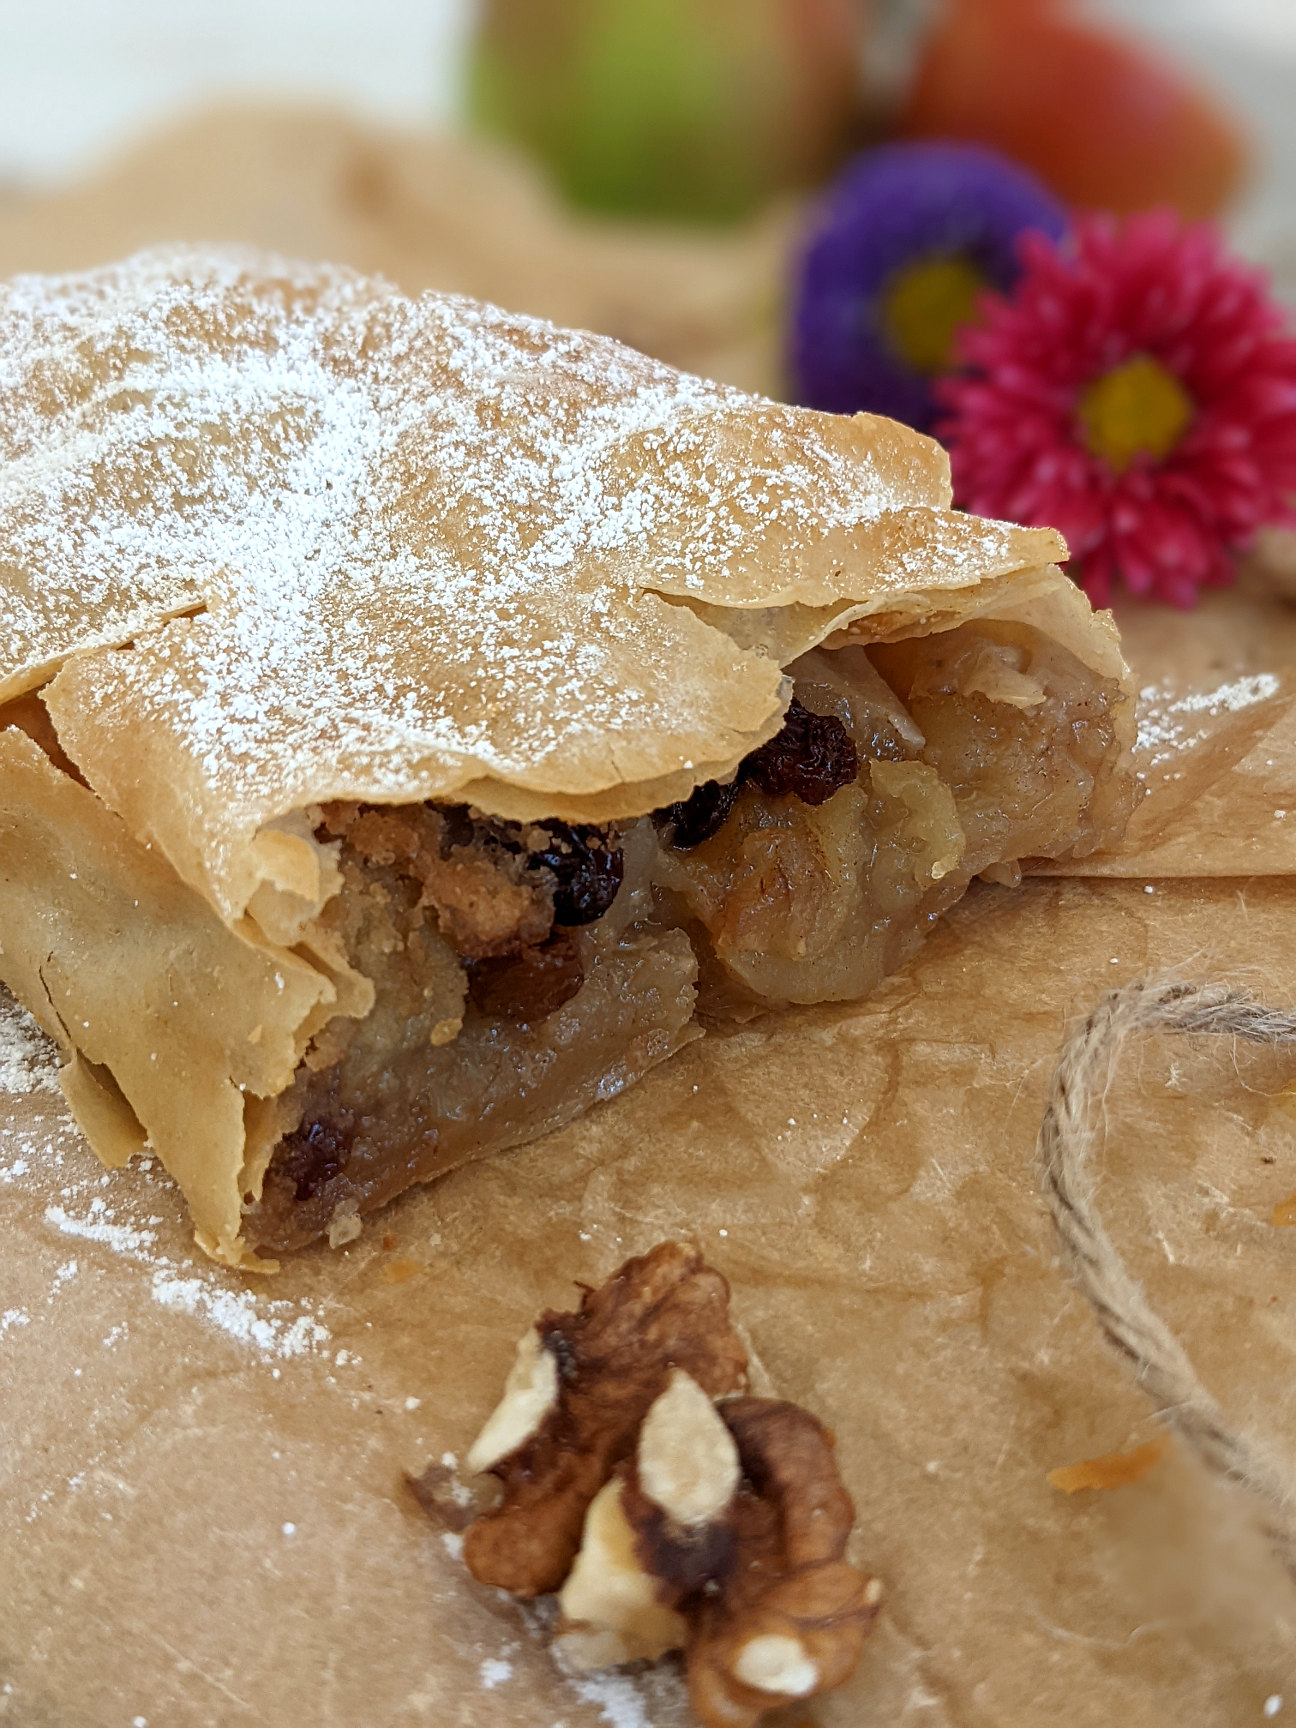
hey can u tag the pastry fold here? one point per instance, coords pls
(362, 659)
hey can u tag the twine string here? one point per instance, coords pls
(1068, 1140)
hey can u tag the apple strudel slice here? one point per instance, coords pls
(417, 721)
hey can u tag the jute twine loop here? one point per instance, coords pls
(1068, 1138)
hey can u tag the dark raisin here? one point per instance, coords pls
(529, 986)
(587, 865)
(811, 758)
(459, 828)
(312, 1155)
(697, 818)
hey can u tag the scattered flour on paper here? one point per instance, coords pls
(264, 1324)
(28, 1059)
(622, 1700)
(1241, 693)
(495, 1672)
(29, 1064)
(96, 1226)
(272, 1327)
(1163, 729)
(616, 1696)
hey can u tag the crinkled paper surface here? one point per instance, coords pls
(1216, 745)
(202, 1518)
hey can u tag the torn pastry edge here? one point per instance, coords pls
(296, 875)
(114, 1124)
(282, 878)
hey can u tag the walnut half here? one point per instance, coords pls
(611, 1358)
(669, 1510)
(791, 1614)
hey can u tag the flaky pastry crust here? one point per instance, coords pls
(276, 535)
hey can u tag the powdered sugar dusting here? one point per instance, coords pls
(1167, 722)
(28, 1059)
(618, 1699)
(97, 1226)
(267, 1326)
(425, 541)
(1230, 698)
(273, 1328)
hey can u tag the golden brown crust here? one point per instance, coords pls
(173, 1030)
(276, 535)
(435, 552)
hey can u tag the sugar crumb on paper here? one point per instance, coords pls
(96, 1227)
(618, 1699)
(241, 1315)
(1163, 731)
(275, 1328)
(28, 1059)
(495, 1671)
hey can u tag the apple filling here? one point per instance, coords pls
(522, 973)
(491, 1023)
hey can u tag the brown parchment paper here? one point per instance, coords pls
(203, 1517)
(427, 211)
(1216, 751)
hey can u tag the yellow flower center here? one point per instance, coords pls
(925, 305)
(1137, 409)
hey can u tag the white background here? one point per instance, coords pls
(81, 77)
(78, 77)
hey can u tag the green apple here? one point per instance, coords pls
(681, 108)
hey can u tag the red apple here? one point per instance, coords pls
(1099, 118)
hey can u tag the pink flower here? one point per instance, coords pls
(1136, 391)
